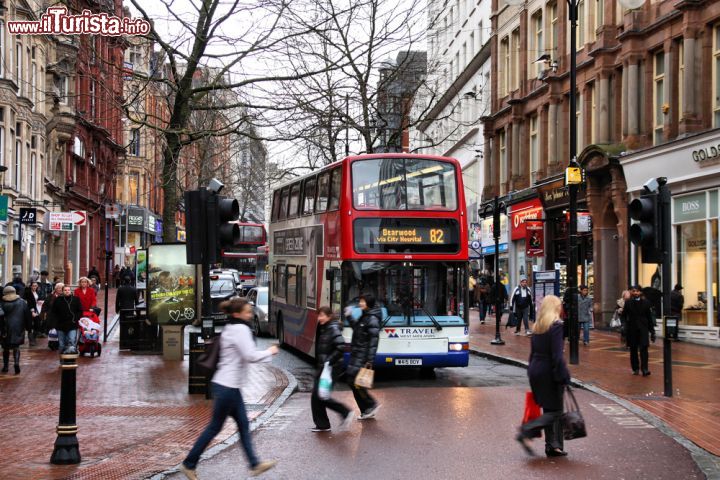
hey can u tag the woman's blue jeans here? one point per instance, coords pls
(228, 403)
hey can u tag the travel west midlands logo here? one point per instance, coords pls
(391, 333)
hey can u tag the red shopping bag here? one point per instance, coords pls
(532, 409)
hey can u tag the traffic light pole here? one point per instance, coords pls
(665, 200)
(572, 259)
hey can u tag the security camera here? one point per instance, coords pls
(215, 185)
(651, 185)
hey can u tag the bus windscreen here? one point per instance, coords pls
(409, 293)
(404, 184)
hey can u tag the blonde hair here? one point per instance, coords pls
(548, 314)
(81, 279)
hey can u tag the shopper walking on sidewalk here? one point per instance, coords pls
(521, 304)
(585, 305)
(330, 349)
(86, 294)
(65, 312)
(31, 297)
(366, 332)
(237, 350)
(14, 322)
(638, 322)
(548, 374)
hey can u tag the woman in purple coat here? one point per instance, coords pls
(548, 375)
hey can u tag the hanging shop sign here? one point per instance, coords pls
(535, 238)
(521, 212)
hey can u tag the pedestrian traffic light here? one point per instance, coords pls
(647, 233)
(222, 228)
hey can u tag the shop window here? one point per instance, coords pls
(691, 264)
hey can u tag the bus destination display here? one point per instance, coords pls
(415, 235)
(406, 235)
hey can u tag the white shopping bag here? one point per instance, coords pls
(325, 383)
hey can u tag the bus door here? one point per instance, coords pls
(334, 276)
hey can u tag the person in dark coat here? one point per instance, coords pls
(14, 322)
(46, 287)
(126, 297)
(31, 297)
(330, 348)
(18, 285)
(66, 311)
(366, 332)
(45, 317)
(548, 374)
(93, 273)
(677, 300)
(116, 275)
(638, 321)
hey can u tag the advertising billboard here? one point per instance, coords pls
(141, 269)
(171, 285)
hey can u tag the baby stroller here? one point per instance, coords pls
(89, 341)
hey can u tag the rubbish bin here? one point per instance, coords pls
(130, 330)
(197, 381)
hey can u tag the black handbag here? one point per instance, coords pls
(512, 320)
(572, 421)
(208, 360)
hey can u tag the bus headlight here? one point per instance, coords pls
(458, 347)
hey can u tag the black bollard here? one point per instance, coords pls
(67, 448)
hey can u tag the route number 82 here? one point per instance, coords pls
(437, 235)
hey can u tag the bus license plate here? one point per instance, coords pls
(408, 361)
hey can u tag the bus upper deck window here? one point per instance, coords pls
(323, 192)
(309, 196)
(275, 205)
(335, 184)
(294, 200)
(284, 197)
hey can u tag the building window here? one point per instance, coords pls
(554, 26)
(134, 188)
(593, 112)
(2, 48)
(33, 85)
(79, 147)
(515, 60)
(505, 73)
(716, 76)
(580, 33)
(503, 158)
(472, 45)
(534, 148)
(61, 84)
(579, 121)
(599, 15)
(18, 163)
(681, 81)
(33, 174)
(537, 47)
(658, 96)
(134, 148)
(18, 68)
(92, 98)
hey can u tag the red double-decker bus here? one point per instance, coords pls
(250, 256)
(393, 225)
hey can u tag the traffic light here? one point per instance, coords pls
(222, 229)
(647, 233)
(195, 202)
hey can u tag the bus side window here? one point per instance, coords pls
(281, 281)
(284, 197)
(291, 285)
(275, 205)
(323, 192)
(335, 184)
(294, 200)
(301, 286)
(309, 196)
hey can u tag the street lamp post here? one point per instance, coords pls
(496, 208)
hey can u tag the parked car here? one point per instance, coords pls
(222, 287)
(258, 296)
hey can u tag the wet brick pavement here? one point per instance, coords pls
(135, 417)
(694, 409)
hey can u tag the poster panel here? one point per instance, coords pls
(171, 284)
(141, 269)
(535, 238)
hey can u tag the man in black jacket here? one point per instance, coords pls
(638, 322)
(677, 300)
(126, 297)
(366, 333)
(15, 321)
(329, 349)
(66, 311)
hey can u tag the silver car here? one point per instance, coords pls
(258, 296)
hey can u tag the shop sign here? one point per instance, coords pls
(3, 208)
(486, 235)
(135, 219)
(535, 238)
(704, 156)
(690, 208)
(150, 224)
(521, 212)
(28, 216)
(557, 195)
(584, 222)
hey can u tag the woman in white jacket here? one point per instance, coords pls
(237, 350)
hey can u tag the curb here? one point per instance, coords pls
(254, 425)
(708, 463)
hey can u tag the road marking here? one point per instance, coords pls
(621, 416)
